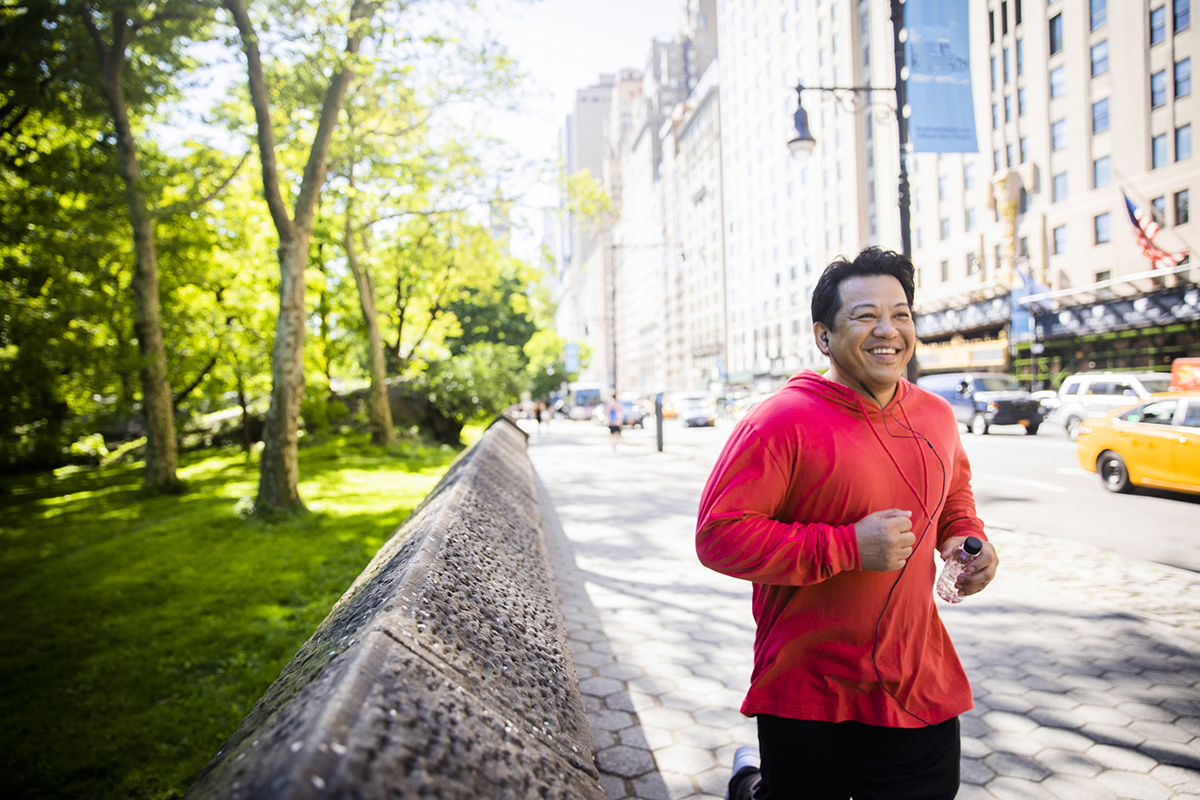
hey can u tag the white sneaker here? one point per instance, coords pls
(746, 756)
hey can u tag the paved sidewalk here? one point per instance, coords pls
(1085, 665)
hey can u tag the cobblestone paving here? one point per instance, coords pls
(1085, 665)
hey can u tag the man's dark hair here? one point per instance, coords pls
(827, 296)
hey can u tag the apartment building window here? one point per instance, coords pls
(970, 219)
(1159, 212)
(994, 73)
(1103, 228)
(968, 176)
(918, 237)
(1021, 104)
(1100, 58)
(1006, 63)
(1058, 135)
(1008, 115)
(991, 27)
(1056, 34)
(1101, 172)
(995, 116)
(1158, 151)
(1060, 240)
(1059, 190)
(1024, 149)
(1158, 25)
(1183, 14)
(972, 264)
(945, 227)
(1183, 77)
(943, 187)
(1158, 89)
(1058, 81)
(1020, 55)
(1100, 115)
(1017, 12)
(1008, 154)
(1104, 275)
(1099, 9)
(999, 256)
(995, 161)
(1182, 207)
(1183, 142)
(945, 271)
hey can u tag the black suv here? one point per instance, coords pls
(983, 399)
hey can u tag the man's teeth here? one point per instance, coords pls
(883, 351)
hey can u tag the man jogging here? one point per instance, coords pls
(832, 497)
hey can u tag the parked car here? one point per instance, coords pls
(983, 399)
(697, 413)
(635, 414)
(1155, 443)
(1095, 394)
(1047, 401)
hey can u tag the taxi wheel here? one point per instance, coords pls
(1073, 424)
(1113, 473)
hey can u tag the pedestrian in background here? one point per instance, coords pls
(615, 413)
(832, 497)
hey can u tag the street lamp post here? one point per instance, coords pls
(803, 142)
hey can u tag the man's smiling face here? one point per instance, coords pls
(873, 338)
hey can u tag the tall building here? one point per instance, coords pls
(583, 305)
(1079, 103)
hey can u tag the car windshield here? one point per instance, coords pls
(1157, 384)
(997, 383)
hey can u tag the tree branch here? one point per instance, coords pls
(188, 206)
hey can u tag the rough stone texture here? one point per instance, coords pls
(443, 672)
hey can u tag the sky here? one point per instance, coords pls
(564, 45)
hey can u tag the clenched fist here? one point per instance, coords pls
(885, 539)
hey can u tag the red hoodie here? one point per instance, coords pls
(779, 510)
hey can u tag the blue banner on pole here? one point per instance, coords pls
(938, 56)
(571, 357)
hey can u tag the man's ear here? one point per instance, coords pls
(821, 334)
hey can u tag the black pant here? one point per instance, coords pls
(807, 760)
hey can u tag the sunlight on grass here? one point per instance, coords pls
(140, 630)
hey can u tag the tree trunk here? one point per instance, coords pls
(279, 470)
(383, 432)
(241, 390)
(161, 446)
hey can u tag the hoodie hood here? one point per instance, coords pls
(815, 383)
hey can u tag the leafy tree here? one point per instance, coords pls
(279, 470)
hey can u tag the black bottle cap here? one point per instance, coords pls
(972, 546)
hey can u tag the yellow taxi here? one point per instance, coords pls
(1155, 443)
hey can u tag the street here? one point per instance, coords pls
(1027, 483)
(1083, 662)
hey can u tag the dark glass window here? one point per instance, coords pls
(991, 27)
(1060, 240)
(1056, 34)
(1183, 14)
(1182, 207)
(1006, 63)
(1158, 25)
(1020, 56)
(1103, 227)
(1008, 114)
(1024, 148)
(1183, 77)
(1158, 89)
(1159, 204)
(1183, 142)
(1004, 17)
(1100, 58)
(1100, 115)
(1021, 105)
(994, 73)
(1101, 172)
(995, 115)
(1017, 11)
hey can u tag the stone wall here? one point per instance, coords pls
(443, 672)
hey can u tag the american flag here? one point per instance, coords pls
(1146, 229)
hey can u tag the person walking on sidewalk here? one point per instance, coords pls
(615, 413)
(831, 497)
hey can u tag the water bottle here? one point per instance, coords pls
(947, 585)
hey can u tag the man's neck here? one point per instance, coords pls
(880, 398)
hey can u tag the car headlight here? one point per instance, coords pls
(991, 407)
(1084, 429)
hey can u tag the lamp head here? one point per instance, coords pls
(801, 145)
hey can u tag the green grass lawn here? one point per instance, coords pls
(138, 631)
